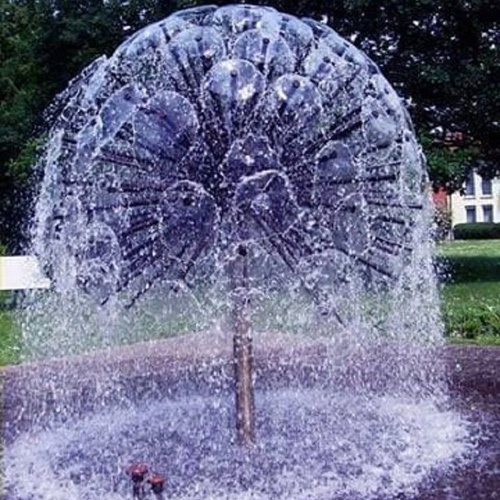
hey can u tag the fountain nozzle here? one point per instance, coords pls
(157, 483)
(137, 473)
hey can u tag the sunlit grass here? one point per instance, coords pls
(471, 304)
(471, 295)
(9, 339)
(470, 248)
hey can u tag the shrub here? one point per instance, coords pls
(442, 222)
(477, 231)
(471, 321)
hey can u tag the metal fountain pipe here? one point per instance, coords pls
(242, 351)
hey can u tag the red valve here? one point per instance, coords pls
(157, 483)
(137, 472)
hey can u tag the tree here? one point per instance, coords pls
(441, 55)
(21, 93)
(43, 45)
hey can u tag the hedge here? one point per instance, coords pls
(477, 231)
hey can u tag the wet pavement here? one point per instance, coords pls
(473, 376)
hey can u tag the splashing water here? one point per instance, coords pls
(229, 148)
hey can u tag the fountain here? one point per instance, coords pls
(252, 179)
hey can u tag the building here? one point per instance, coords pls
(480, 201)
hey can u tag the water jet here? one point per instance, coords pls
(251, 178)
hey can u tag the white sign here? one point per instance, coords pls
(21, 273)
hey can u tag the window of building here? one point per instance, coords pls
(469, 185)
(470, 213)
(486, 186)
(487, 213)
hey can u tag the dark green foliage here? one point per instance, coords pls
(474, 268)
(448, 166)
(44, 44)
(441, 55)
(20, 93)
(5, 296)
(477, 231)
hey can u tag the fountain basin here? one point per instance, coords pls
(317, 437)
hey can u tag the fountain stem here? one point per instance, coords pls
(243, 358)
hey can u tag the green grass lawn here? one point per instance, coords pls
(471, 248)
(9, 339)
(471, 294)
(471, 297)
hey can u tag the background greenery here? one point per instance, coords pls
(477, 231)
(441, 55)
(10, 339)
(470, 273)
(471, 292)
